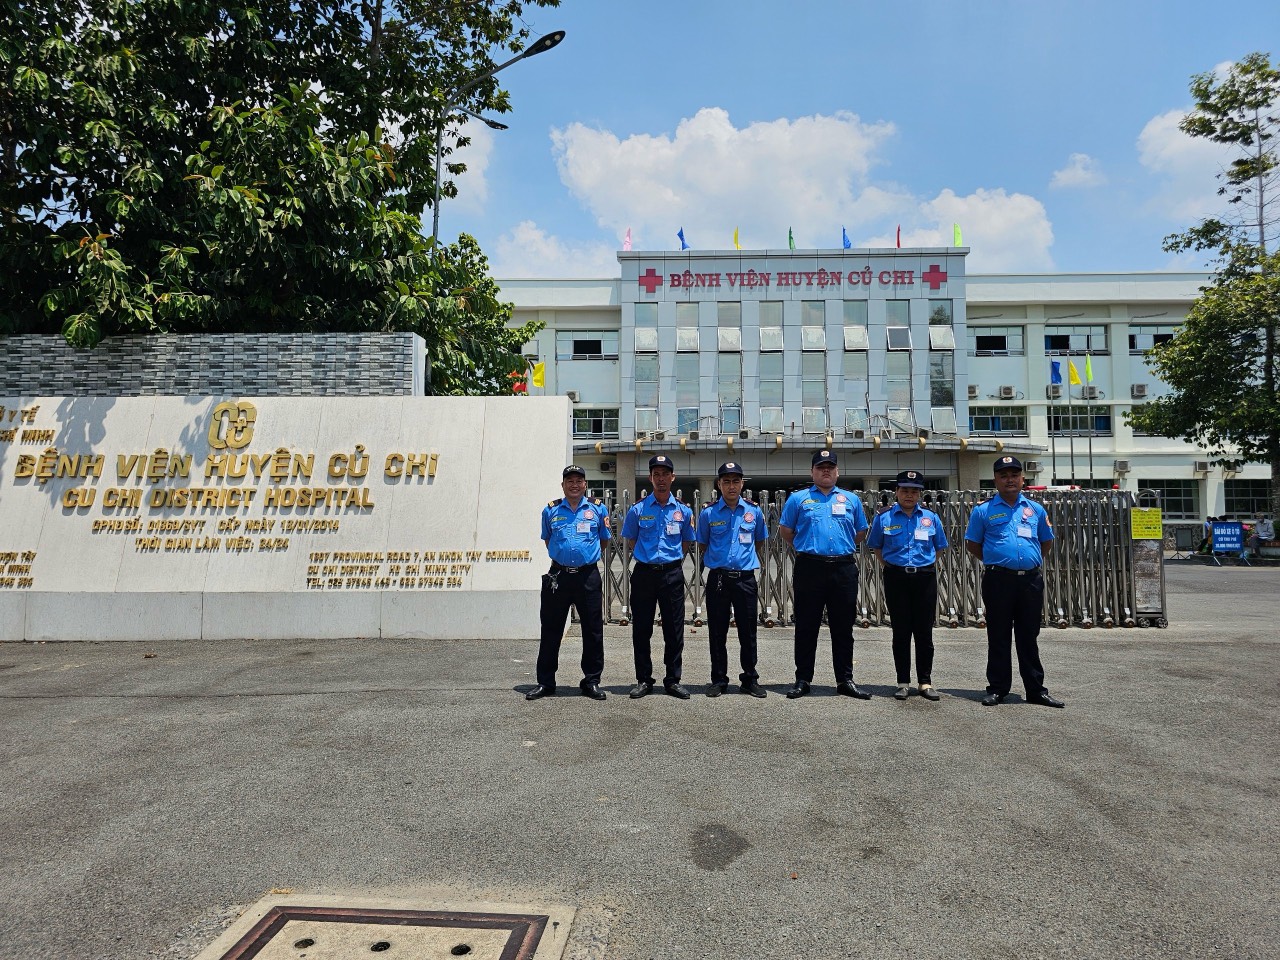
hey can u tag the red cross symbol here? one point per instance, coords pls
(934, 277)
(651, 281)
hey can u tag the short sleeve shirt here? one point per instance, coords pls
(573, 536)
(730, 536)
(824, 524)
(1010, 535)
(659, 531)
(907, 540)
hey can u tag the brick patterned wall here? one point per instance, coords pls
(257, 364)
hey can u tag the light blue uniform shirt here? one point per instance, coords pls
(573, 536)
(1010, 536)
(659, 532)
(907, 540)
(730, 536)
(824, 524)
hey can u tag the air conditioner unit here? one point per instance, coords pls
(858, 434)
(642, 434)
(1123, 466)
(1138, 391)
(1007, 392)
(658, 435)
(1053, 391)
(1031, 466)
(606, 466)
(1200, 466)
(573, 395)
(1089, 392)
(973, 391)
(924, 433)
(744, 434)
(693, 434)
(886, 433)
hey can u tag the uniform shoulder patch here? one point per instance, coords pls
(750, 501)
(555, 503)
(598, 502)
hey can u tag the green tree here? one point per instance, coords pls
(1222, 363)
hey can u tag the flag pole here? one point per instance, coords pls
(1071, 431)
(1089, 414)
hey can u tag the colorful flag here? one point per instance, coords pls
(626, 241)
(539, 378)
(680, 234)
(844, 236)
(1055, 371)
(1088, 367)
(899, 235)
(1072, 373)
(791, 240)
(735, 239)
(955, 235)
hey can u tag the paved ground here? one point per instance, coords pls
(149, 791)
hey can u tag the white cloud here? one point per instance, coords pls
(473, 184)
(1185, 169)
(528, 251)
(1081, 171)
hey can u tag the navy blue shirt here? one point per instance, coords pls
(908, 540)
(730, 536)
(573, 536)
(659, 532)
(1010, 535)
(824, 524)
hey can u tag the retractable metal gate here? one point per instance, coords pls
(1095, 575)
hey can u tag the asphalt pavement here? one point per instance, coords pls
(151, 791)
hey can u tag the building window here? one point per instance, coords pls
(1179, 499)
(1008, 420)
(941, 313)
(1079, 339)
(646, 327)
(771, 420)
(729, 314)
(996, 342)
(1142, 337)
(686, 419)
(595, 423)
(687, 327)
(729, 391)
(813, 391)
(898, 338)
(770, 385)
(897, 379)
(813, 325)
(943, 420)
(729, 326)
(647, 392)
(586, 344)
(770, 325)
(1248, 498)
(942, 378)
(897, 313)
(855, 366)
(607, 489)
(855, 313)
(646, 315)
(1079, 421)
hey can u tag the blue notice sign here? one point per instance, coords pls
(1228, 537)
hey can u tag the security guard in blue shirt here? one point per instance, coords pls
(825, 525)
(1010, 535)
(573, 529)
(907, 537)
(659, 531)
(731, 530)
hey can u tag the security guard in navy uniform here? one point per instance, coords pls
(659, 531)
(572, 529)
(1010, 535)
(907, 537)
(825, 525)
(731, 530)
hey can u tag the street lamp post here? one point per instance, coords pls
(454, 99)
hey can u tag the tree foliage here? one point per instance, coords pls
(1221, 364)
(186, 166)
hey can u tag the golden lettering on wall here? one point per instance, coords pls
(232, 425)
(15, 569)
(400, 569)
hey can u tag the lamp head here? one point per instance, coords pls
(543, 44)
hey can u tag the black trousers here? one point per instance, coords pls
(651, 589)
(1015, 607)
(912, 599)
(833, 586)
(736, 594)
(581, 590)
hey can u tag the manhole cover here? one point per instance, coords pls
(318, 928)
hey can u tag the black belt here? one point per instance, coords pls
(733, 574)
(561, 568)
(641, 565)
(848, 558)
(925, 569)
(1018, 573)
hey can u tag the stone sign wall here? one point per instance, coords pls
(237, 517)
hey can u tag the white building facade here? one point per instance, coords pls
(895, 358)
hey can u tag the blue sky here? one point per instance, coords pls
(1048, 131)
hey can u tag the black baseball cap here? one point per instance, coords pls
(571, 469)
(1007, 463)
(911, 478)
(824, 456)
(661, 460)
(729, 467)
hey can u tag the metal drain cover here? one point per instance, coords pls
(299, 927)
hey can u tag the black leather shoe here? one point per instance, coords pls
(716, 689)
(801, 689)
(991, 699)
(1044, 700)
(538, 692)
(929, 693)
(847, 688)
(641, 689)
(903, 691)
(677, 691)
(592, 690)
(753, 688)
